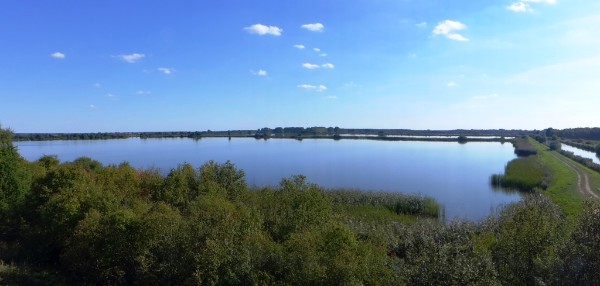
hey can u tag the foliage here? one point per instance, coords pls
(582, 253)
(530, 234)
(523, 147)
(525, 174)
(555, 145)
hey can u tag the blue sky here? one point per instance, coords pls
(97, 66)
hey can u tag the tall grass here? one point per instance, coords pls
(398, 203)
(524, 174)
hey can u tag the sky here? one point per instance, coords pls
(118, 66)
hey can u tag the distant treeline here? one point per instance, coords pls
(266, 133)
(580, 133)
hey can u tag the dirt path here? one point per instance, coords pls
(583, 182)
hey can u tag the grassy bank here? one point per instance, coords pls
(525, 174)
(563, 186)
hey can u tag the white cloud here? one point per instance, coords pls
(58, 55)
(132, 58)
(451, 84)
(330, 97)
(92, 106)
(166, 70)
(310, 66)
(260, 72)
(422, 25)
(97, 85)
(541, 1)
(519, 7)
(262, 30)
(142, 92)
(316, 49)
(110, 95)
(300, 47)
(448, 28)
(485, 97)
(327, 66)
(315, 27)
(310, 87)
(524, 6)
(323, 55)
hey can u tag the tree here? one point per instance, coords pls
(15, 184)
(555, 145)
(295, 206)
(224, 179)
(529, 235)
(462, 139)
(179, 188)
(598, 149)
(582, 253)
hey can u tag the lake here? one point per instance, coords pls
(581, 153)
(456, 175)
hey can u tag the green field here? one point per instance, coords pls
(563, 187)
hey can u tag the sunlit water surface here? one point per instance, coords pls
(456, 175)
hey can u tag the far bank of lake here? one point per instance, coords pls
(456, 175)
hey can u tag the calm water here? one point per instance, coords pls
(582, 153)
(457, 175)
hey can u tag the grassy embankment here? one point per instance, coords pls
(543, 172)
(563, 189)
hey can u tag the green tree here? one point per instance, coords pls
(529, 236)
(582, 253)
(49, 162)
(555, 145)
(179, 188)
(295, 206)
(15, 185)
(222, 179)
(439, 254)
(598, 149)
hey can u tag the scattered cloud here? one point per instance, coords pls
(166, 70)
(110, 95)
(131, 58)
(485, 97)
(448, 28)
(422, 25)
(525, 6)
(262, 30)
(519, 7)
(142, 92)
(300, 47)
(315, 27)
(412, 55)
(92, 106)
(310, 66)
(330, 97)
(323, 55)
(260, 72)
(316, 49)
(315, 66)
(310, 87)
(350, 84)
(97, 85)
(451, 84)
(58, 55)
